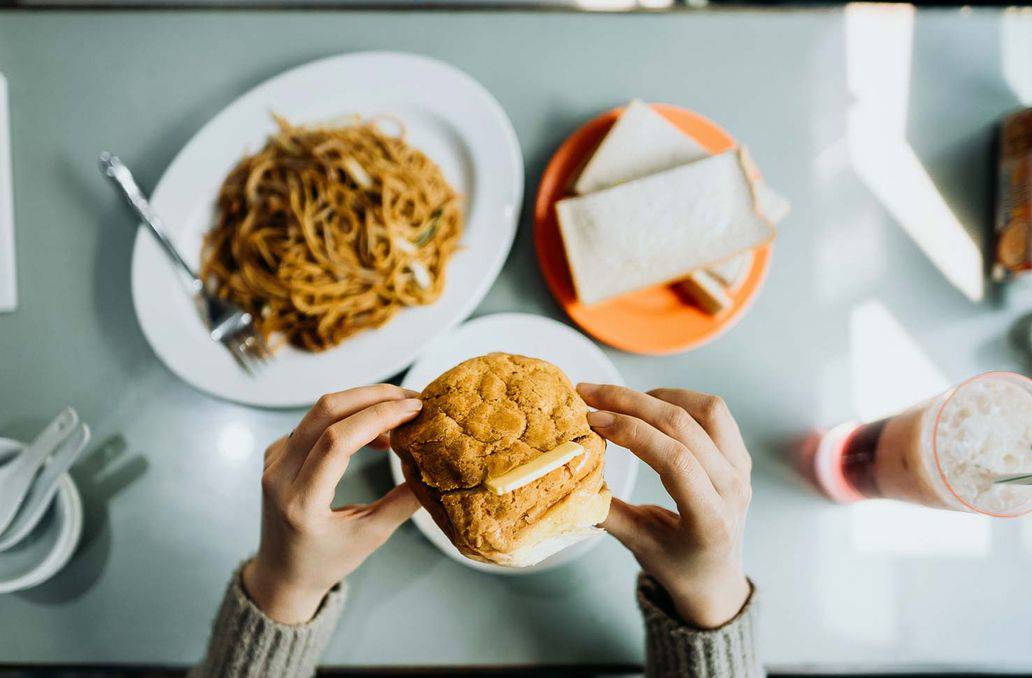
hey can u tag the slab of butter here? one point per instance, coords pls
(659, 228)
(641, 142)
(534, 469)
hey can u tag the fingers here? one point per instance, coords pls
(275, 451)
(392, 509)
(622, 522)
(715, 418)
(328, 459)
(332, 408)
(681, 473)
(642, 528)
(672, 420)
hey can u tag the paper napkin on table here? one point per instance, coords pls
(8, 291)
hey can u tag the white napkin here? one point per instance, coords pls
(8, 291)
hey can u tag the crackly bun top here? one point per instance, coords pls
(491, 414)
(483, 418)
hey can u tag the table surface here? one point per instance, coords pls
(853, 318)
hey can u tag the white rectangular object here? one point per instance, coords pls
(8, 289)
(660, 228)
(641, 142)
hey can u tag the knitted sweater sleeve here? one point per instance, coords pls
(673, 648)
(245, 643)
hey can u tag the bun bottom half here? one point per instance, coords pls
(570, 520)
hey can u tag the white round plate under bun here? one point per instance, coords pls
(446, 114)
(45, 550)
(537, 337)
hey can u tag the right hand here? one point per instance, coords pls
(693, 443)
(307, 546)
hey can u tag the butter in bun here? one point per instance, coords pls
(518, 421)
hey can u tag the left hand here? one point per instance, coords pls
(693, 443)
(307, 547)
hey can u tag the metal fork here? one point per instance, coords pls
(227, 323)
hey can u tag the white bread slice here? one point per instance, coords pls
(706, 291)
(770, 203)
(659, 228)
(733, 272)
(773, 206)
(640, 143)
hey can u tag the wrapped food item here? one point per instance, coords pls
(1013, 228)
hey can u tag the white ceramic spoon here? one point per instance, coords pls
(43, 489)
(16, 475)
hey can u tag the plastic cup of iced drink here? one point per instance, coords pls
(945, 452)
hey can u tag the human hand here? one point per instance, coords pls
(307, 547)
(693, 443)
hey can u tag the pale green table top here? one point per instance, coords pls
(172, 498)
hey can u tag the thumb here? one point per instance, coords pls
(623, 522)
(394, 508)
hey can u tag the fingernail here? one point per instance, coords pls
(410, 393)
(412, 404)
(600, 419)
(587, 387)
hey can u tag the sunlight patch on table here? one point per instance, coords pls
(830, 163)
(834, 390)
(849, 257)
(1026, 531)
(844, 581)
(892, 527)
(235, 442)
(890, 370)
(1016, 51)
(879, 42)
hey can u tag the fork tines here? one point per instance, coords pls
(249, 350)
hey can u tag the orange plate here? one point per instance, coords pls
(653, 321)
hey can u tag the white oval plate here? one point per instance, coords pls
(446, 114)
(536, 337)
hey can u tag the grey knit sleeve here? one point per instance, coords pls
(673, 648)
(246, 644)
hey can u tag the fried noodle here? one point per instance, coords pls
(330, 230)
